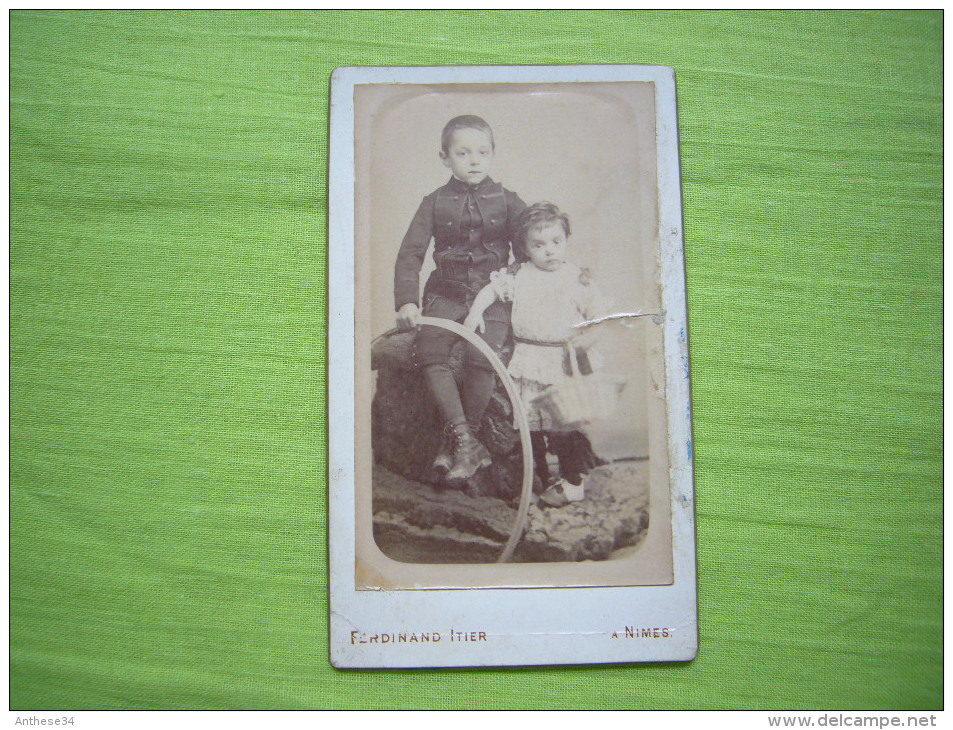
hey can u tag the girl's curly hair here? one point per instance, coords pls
(538, 215)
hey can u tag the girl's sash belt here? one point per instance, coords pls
(539, 343)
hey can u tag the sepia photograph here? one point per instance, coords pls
(519, 342)
(507, 249)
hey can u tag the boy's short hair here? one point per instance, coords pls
(539, 215)
(466, 121)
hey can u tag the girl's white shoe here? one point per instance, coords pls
(574, 492)
(562, 493)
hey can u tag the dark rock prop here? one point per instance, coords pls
(406, 426)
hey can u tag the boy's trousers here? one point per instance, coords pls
(433, 345)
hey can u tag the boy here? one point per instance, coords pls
(472, 220)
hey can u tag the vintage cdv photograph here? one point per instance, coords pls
(510, 448)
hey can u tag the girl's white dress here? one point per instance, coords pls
(546, 306)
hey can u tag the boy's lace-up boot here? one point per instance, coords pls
(443, 462)
(469, 455)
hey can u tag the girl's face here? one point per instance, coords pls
(546, 246)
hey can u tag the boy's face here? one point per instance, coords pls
(546, 246)
(469, 154)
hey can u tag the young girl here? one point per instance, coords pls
(550, 296)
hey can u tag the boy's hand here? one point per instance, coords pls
(475, 322)
(408, 317)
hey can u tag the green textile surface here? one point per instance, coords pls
(167, 356)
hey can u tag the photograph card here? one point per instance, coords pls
(510, 445)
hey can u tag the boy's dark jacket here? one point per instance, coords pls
(472, 227)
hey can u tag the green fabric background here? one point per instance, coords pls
(167, 355)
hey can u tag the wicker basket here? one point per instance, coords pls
(581, 398)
